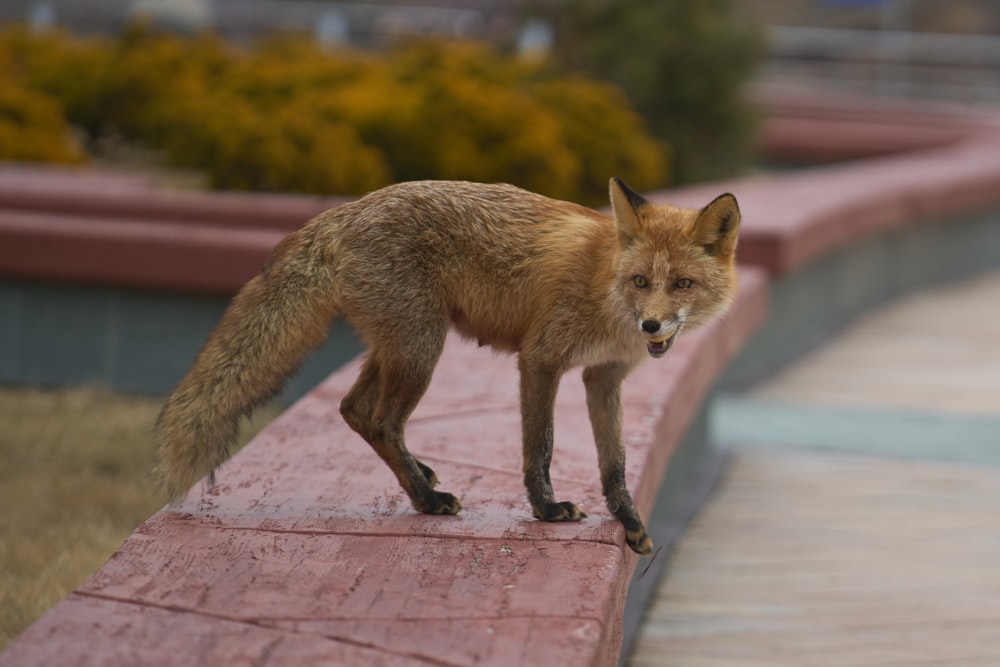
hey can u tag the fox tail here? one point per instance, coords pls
(275, 320)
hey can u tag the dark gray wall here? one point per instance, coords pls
(127, 340)
(810, 305)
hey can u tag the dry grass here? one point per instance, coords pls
(74, 483)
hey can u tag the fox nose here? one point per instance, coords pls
(650, 326)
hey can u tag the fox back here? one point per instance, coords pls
(516, 270)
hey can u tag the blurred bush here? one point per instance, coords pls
(290, 115)
(683, 64)
(33, 125)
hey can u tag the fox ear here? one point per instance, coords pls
(626, 204)
(718, 225)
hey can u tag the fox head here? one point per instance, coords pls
(676, 268)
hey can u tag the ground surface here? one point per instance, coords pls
(858, 522)
(74, 478)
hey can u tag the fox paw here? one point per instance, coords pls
(438, 503)
(564, 511)
(429, 475)
(639, 542)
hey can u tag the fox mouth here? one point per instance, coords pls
(657, 347)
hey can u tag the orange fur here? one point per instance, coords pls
(561, 285)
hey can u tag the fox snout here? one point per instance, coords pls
(660, 334)
(655, 327)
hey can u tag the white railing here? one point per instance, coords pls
(935, 65)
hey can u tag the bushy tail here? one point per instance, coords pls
(269, 328)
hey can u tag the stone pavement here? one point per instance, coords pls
(859, 522)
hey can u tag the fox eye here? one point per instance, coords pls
(683, 283)
(640, 282)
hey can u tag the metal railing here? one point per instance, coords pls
(934, 65)
(356, 23)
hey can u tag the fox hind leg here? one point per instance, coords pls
(377, 408)
(358, 406)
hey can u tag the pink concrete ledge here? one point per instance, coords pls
(812, 125)
(93, 227)
(790, 220)
(307, 551)
(87, 193)
(130, 252)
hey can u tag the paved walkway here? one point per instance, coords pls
(859, 523)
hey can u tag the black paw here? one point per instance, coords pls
(438, 503)
(639, 542)
(559, 512)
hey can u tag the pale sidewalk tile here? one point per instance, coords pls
(828, 560)
(938, 349)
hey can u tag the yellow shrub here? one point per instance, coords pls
(607, 136)
(33, 128)
(244, 148)
(432, 123)
(152, 76)
(66, 69)
(291, 115)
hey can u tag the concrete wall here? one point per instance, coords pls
(131, 340)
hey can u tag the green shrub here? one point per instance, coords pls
(683, 64)
(607, 138)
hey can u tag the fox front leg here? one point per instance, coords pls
(538, 395)
(604, 404)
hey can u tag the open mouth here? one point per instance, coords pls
(657, 347)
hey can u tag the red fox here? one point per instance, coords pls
(561, 285)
